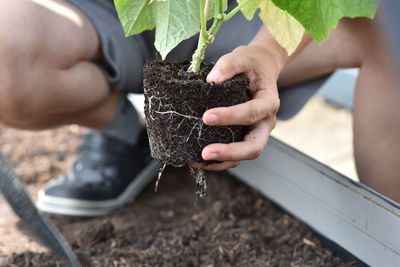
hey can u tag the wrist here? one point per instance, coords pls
(277, 57)
(267, 43)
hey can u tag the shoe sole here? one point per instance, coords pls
(87, 208)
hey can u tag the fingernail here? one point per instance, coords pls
(212, 118)
(212, 156)
(213, 76)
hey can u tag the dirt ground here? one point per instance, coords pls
(233, 226)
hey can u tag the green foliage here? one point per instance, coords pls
(319, 17)
(177, 20)
(174, 20)
(250, 8)
(287, 31)
(136, 16)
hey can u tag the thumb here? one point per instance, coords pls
(238, 61)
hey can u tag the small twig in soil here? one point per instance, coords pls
(159, 176)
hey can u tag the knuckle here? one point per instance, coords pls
(258, 149)
(235, 164)
(240, 49)
(226, 63)
(275, 105)
(273, 123)
(251, 116)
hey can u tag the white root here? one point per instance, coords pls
(201, 182)
(159, 176)
(199, 122)
(179, 114)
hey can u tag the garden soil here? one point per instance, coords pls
(232, 226)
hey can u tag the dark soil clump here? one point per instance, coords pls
(175, 102)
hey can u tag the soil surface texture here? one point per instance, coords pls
(233, 226)
(175, 101)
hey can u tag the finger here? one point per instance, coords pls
(250, 148)
(196, 165)
(238, 61)
(217, 167)
(266, 104)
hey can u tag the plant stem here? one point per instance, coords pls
(198, 56)
(203, 19)
(207, 8)
(207, 37)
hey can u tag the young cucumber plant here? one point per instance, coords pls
(287, 20)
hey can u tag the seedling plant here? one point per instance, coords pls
(179, 136)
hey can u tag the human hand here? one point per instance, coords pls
(262, 68)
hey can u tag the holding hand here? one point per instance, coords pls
(261, 61)
(262, 68)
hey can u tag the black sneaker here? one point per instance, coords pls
(107, 175)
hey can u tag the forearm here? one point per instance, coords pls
(266, 41)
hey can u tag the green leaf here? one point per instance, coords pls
(286, 30)
(250, 8)
(319, 17)
(176, 20)
(136, 16)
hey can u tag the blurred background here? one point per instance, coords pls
(323, 127)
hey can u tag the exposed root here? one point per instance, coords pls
(201, 182)
(159, 176)
(198, 124)
(178, 114)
